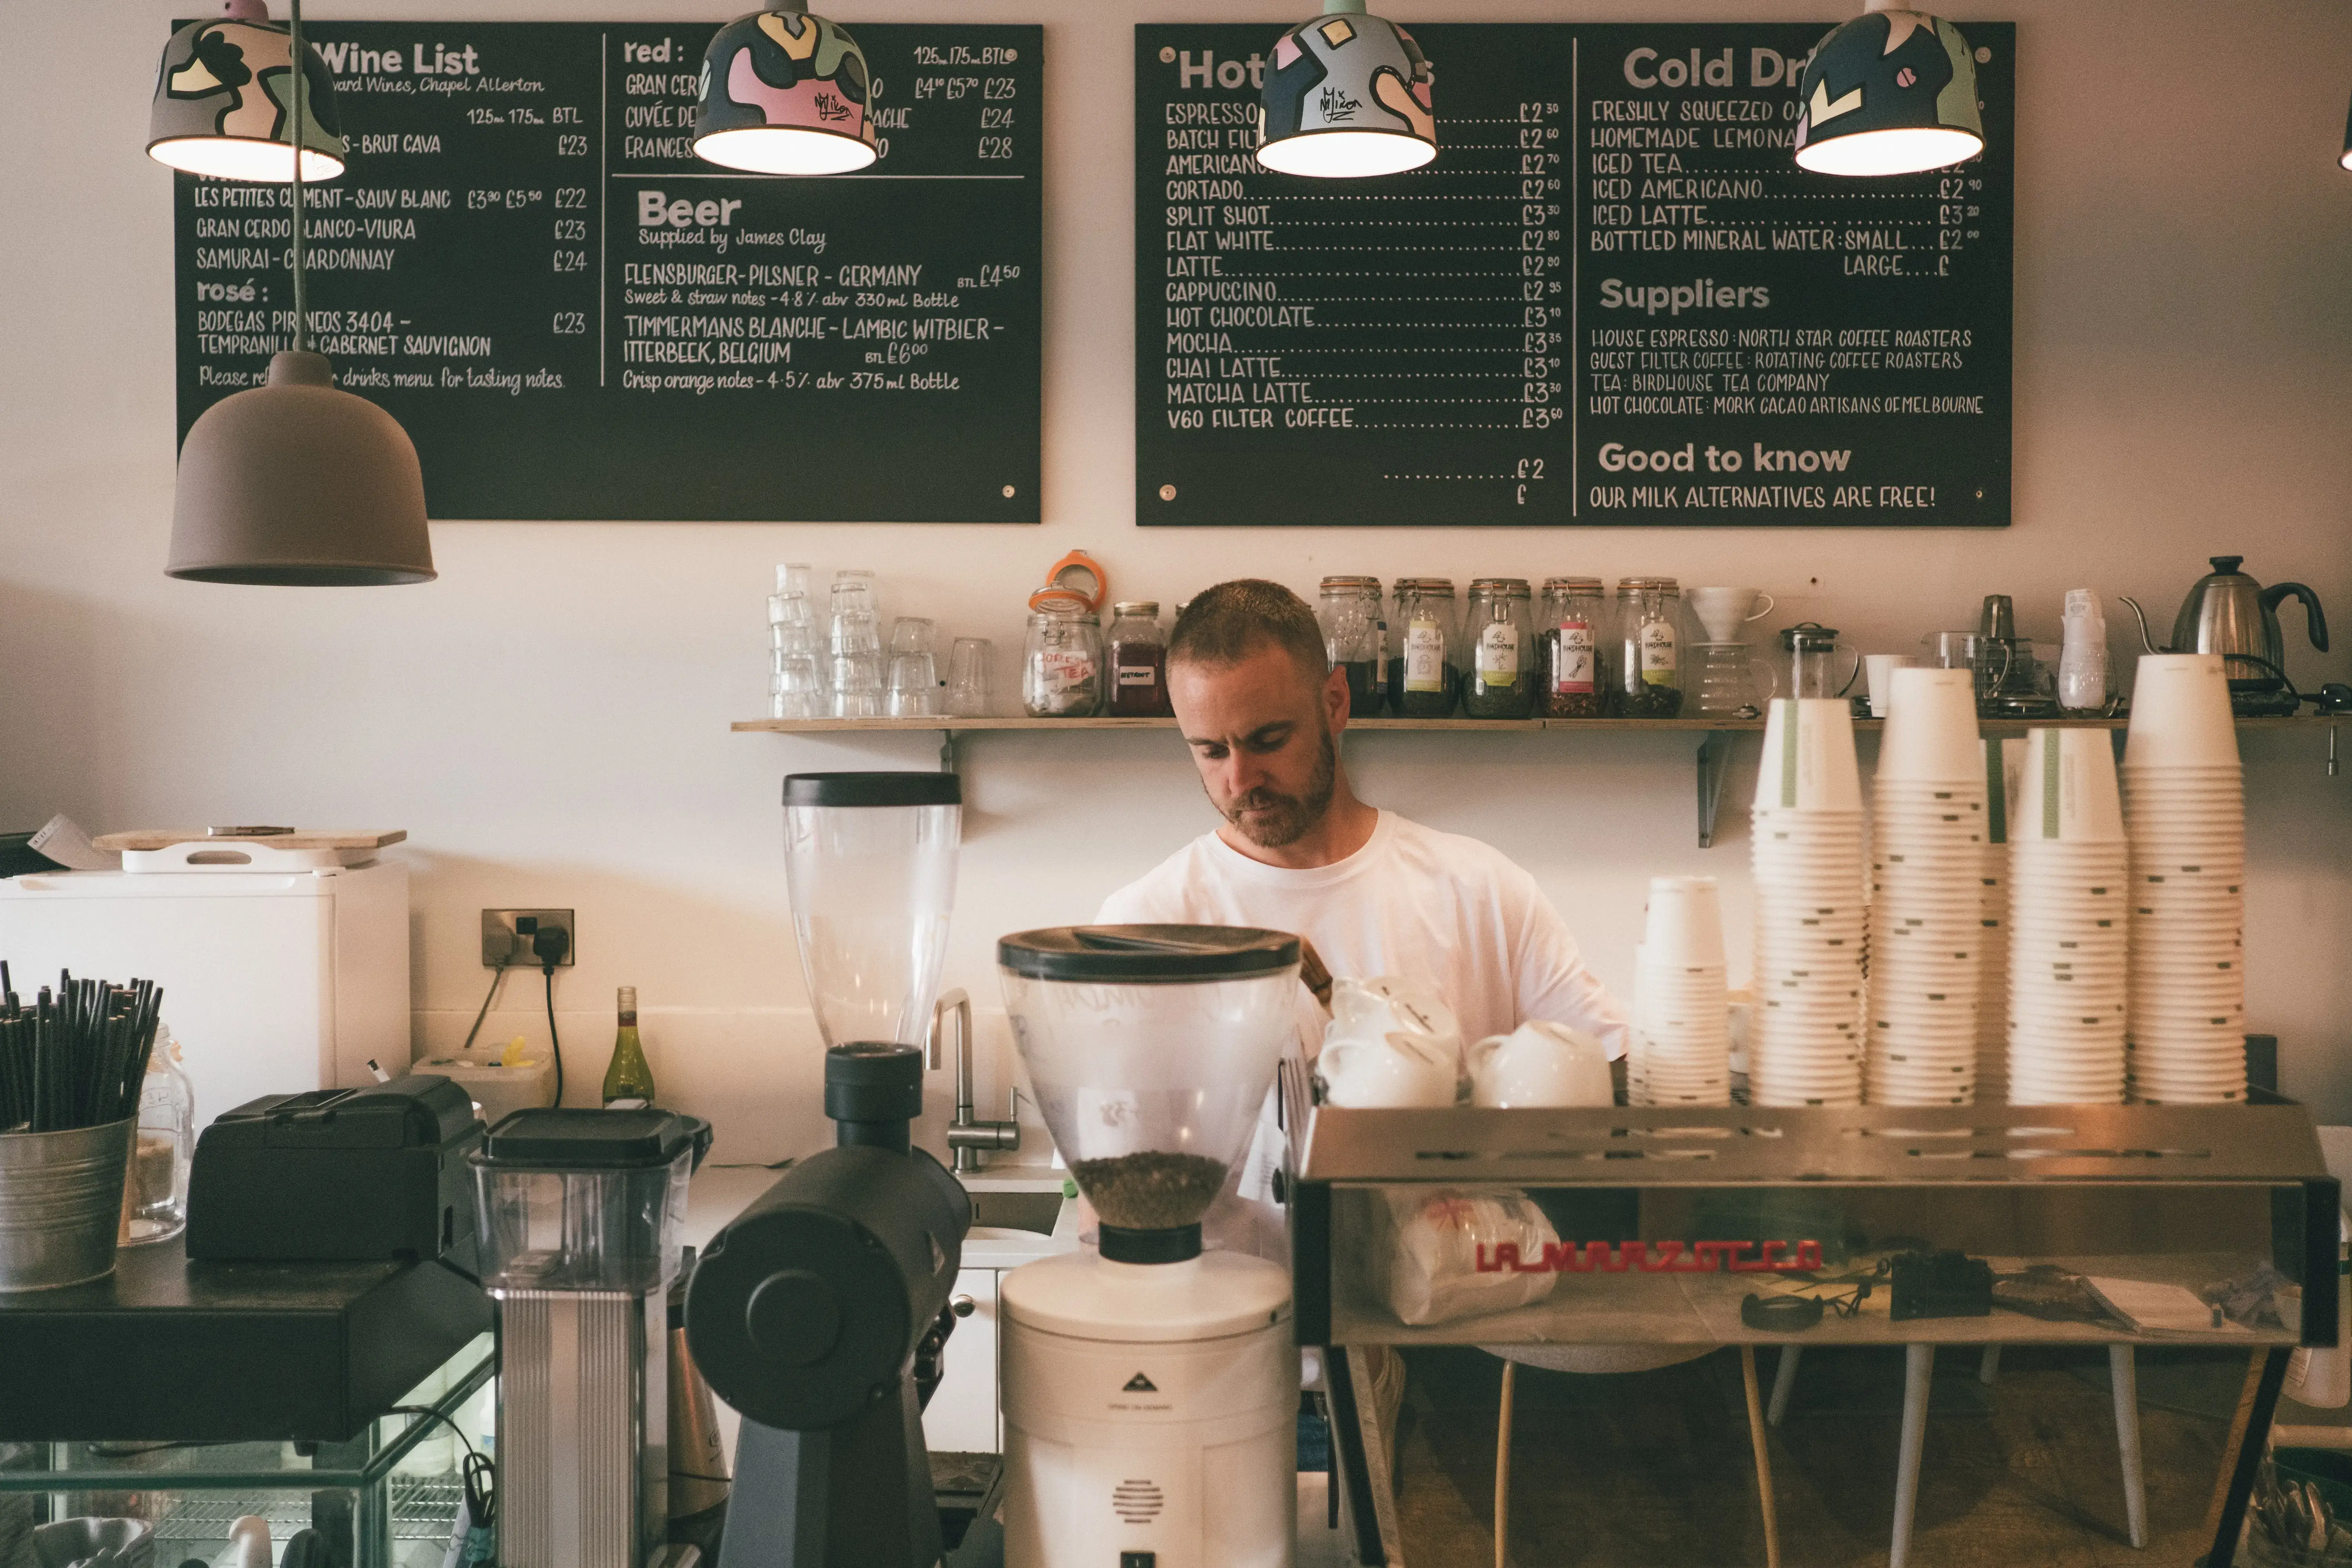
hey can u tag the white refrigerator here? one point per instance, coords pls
(282, 970)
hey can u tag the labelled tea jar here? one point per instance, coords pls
(1646, 682)
(1425, 671)
(1572, 666)
(1500, 679)
(1348, 609)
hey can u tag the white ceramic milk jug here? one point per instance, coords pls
(1391, 1043)
(1540, 1064)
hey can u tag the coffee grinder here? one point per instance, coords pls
(582, 1217)
(1151, 1390)
(808, 1312)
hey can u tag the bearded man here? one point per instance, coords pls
(1371, 893)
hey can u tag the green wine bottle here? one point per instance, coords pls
(629, 1082)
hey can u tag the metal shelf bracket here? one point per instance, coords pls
(947, 740)
(1713, 761)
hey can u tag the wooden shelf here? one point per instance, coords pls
(1716, 735)
(943, 724)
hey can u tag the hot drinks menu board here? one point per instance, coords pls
(575, 317)
(1612, 298)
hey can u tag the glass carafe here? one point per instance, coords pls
(870, 860)
(1815, 665)
(1150, 1049)
(1723, 682)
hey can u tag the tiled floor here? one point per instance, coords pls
(1653, 1469)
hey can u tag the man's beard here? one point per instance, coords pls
(1290, 815)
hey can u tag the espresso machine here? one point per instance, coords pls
(1150, 1389)
(819, 1312)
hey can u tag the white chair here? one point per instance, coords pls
(1919, 1366)
(1588, 1360)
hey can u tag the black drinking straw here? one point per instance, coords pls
(78, 1057)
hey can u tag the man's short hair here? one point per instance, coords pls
(1234, 620)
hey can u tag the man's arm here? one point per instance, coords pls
(1552, 980)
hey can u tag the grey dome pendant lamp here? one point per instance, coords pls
(295, 483)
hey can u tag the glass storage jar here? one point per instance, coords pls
(1425, 674)
(1061, 670)
(1647, 680)
(1139, 661)
(1572, 663)
(1355, 638)
(1500, 679)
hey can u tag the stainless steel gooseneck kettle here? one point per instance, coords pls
(2229, 613)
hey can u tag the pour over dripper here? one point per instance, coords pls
(1150, 1049)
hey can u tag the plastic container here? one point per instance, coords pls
(584, 1200)
(870, 862)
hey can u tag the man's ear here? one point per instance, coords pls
(1335, 697)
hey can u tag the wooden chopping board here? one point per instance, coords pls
(302, 838)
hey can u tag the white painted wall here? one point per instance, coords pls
(548, 721)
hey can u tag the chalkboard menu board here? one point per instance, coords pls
(574, 317)
(1613, 298)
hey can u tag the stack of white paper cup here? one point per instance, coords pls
(1686, 1006)
(1805, 1041)
(2069, 923)
(2187, 810)
(1926, 931)
(2003, 761)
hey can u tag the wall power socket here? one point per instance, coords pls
(507, 933)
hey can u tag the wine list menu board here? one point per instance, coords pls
(1612, 298)
(575, 317)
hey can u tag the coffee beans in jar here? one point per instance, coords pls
(1574, 684)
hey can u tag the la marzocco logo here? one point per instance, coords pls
(1656, 1258)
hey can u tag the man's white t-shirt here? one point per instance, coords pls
(1448, 910)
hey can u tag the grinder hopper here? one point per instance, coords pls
(1150, 1049)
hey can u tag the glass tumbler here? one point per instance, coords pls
(857, 684)
(796, 687)
(970, 682)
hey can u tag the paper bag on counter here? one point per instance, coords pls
(1426, 1261)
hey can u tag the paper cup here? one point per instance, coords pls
(2069, 792)
(2181, 712)
(1685, 922)
(1809, 758)
(1931, 728)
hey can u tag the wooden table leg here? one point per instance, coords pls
(2236, 1439)
(1763, 1455)
(2123, 1376)
(1784, 1382)
(2252, 1442)
(1503, 1467)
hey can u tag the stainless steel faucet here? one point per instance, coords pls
(967, 1135)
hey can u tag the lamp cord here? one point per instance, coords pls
(301, 87)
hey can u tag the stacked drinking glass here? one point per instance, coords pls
(853, 643)
(1805, 1037)
(1682, 1044)
(795, 648)
(2187, 813)
(2070, 905)
(2002, 762)
(1926, 931)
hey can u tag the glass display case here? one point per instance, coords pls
(388, 1499)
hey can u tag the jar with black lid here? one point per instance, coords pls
(1139, 661)
(1499, 682)
(1425, 674)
